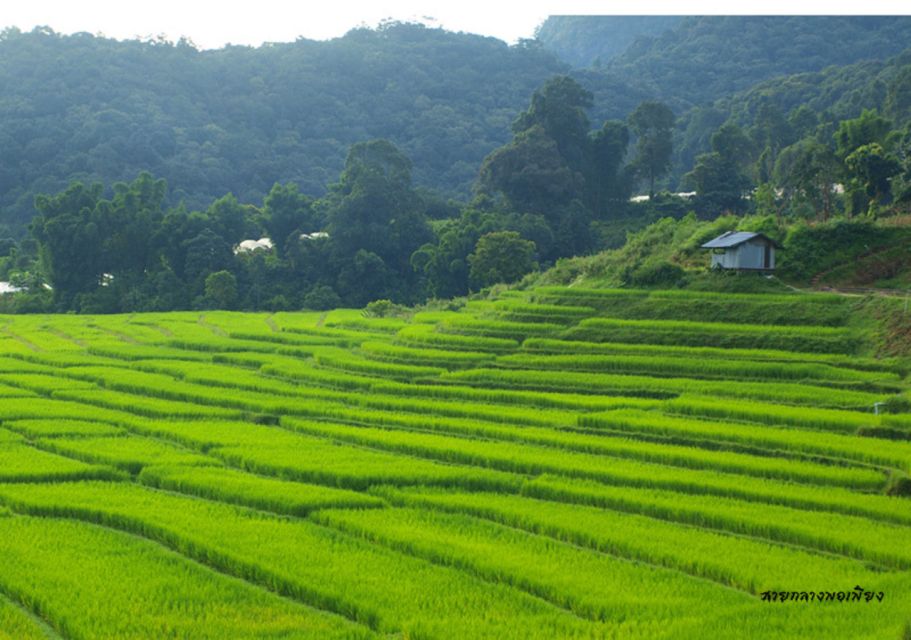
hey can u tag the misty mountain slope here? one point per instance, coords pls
(585, 41)
(239, 119)
(705, 58)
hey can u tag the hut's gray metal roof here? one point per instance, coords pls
(734, 238)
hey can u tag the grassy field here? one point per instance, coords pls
(551, 464)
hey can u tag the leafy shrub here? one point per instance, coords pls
(899, 486)
(383, 309)
(321, 298)
(655, 274)
(811, 250)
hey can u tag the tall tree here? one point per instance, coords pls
(898, 99)
(608, 183)
(867, 128)
(374, 207)
(653, 123)
(287, 211)
(501, 256)
(69, 237)
(733, 145)
(131, 222)
(718, 184)
(719, 177)
(444, 264)
(559, 109)
(530, 173)
(872, 167)
(807, 171)
(374, 213)
(771, 132)
(859, 176)
(554, 159)
(221, 289)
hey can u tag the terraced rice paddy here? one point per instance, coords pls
(553, 464)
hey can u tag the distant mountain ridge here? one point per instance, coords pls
(708, 69)
(239, 119)
(704, 58)
(591, 41)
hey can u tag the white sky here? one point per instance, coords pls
(214, 23)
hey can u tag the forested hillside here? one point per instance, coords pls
(785, 109)
(590, 41)
(710, 68)
(705, 58)
(240, 119)
(838, 91)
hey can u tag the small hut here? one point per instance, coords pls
(743, 250)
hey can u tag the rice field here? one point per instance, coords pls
(559, 463)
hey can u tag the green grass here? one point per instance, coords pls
(526, 458)
(664, 366)
(425, 335)
(774, 439)
(550, 463)
(73, 575)
(143, 405)
(660, 387)
(750, 565)
(350, 363)
(378, 588)
(851, 536)
(825, 310)
(716, 334)
(20, 462)
(131, 454)
(9, 391)
(67, 428)
(44, 383)
(772, 414)
(299, 457)
(18, 624)
(644, 603)
(260, 492)
(58, 409)
(432, 357)
(852, 362)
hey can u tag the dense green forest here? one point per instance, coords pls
(590, 41)
(133, 171)
(556, 190)
(794, 105)
(372, 235)
(239, 119)
(705, 58)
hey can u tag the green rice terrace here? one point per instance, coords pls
(553, 463)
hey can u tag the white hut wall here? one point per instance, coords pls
(750, 255)
(726, 260)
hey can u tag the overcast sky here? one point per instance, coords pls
(213, 23)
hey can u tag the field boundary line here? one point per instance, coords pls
(177, 544)
(45, 625)
(15, 336)
(514, 581)
(570, 537)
